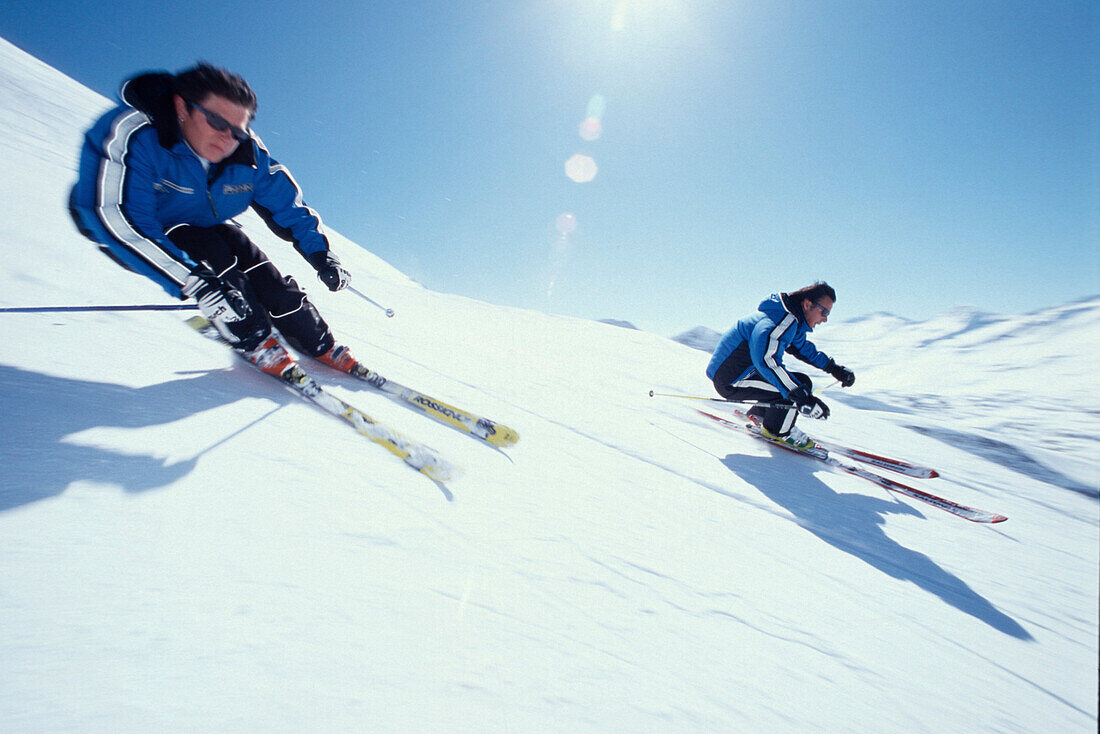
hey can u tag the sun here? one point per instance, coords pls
(632, 13)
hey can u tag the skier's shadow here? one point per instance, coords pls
(39, 412)
(853, 523)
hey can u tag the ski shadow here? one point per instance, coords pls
(1008, 456)
(40, 412)
(853, 523)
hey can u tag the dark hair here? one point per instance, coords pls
(818, 290)
(204, 79)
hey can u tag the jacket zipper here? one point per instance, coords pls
(212, 176)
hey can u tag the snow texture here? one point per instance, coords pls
(187, 546)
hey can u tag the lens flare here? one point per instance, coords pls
(591, 129)
(581, 168)
(596, 106)
(618, 17)
(566, 224)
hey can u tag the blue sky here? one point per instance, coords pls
(915, 155)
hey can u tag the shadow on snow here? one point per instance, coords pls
(1008, 456)
(41, 411)
(853, 523)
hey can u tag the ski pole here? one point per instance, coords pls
(389, 311)
(752, 403)
(144, 307)
(654, 394)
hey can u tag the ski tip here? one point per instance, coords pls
(441, 472)
(979, 516)
(432, 465)
(502, 437)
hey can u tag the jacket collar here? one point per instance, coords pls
(793, 308)
(151, 93)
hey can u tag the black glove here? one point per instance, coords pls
(329, 270)
(226, 308)
(846, 376)
(807, 404)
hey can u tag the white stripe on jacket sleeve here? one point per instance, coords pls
(109, 200)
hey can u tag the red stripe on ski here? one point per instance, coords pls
(885, 462)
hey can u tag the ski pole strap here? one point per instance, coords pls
(144, 307)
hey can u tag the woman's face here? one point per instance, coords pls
(199, 123)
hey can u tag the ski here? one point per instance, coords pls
(417, 455)
(882, 462)
(490, 432)
(967, 513)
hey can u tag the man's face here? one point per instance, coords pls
(197, 124)
(816, 312)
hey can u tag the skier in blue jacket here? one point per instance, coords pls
(161, 177)
(748, 361)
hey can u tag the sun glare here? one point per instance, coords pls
(630, 14)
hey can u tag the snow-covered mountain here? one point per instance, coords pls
(187, 546)
(700, 337)
(619, 323)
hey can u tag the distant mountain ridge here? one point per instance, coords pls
(618, 322)
(700, 337)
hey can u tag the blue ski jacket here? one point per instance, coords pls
(775, 328)
(138, 179)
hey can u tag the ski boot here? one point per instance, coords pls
(271, 357)
(794, 438)
(339, 358)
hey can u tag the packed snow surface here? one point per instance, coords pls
(187, 546)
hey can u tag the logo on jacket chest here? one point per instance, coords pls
(164, 185)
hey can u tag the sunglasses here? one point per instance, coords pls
(219, 123)
(824, 311)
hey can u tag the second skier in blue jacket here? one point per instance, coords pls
(748, 364)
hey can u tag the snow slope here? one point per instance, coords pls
(186, 546)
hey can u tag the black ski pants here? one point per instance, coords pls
(778, 420)
(234, 257)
